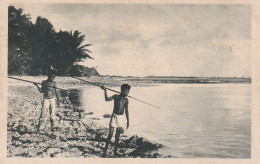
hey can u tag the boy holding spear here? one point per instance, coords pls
(120, 106)
(49, 92)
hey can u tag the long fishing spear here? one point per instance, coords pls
(114, 91)
(33, 82)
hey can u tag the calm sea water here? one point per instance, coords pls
(194, 120)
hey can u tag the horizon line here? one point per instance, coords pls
(180, 76)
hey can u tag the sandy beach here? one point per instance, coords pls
(75, 136)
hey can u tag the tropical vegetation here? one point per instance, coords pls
(33, 48)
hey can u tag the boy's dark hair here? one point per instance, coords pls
(51, 74)
(125, 86)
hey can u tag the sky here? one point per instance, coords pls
(158, 39)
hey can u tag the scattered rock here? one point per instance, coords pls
(107, 115)
(24, 154)
(141, 146)
(76, 152)
(68, 106)
(94, 118)
(26, 138)
(19, 151)
(89, 113)
(43, 145)
(17, 143)
(16, 136)
(53, 150)
(78, 109)
(66, 100)
(129, 150)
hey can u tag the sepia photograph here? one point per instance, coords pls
(129, 80)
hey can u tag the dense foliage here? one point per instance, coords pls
(32, 48)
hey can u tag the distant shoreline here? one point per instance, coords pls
(115, 81)
(192, 80)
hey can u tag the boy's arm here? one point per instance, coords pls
(127, 115)
(58, 100)
(106, 97)
(39, 89)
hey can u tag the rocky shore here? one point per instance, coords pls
(74, 136)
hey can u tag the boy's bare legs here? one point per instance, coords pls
(45, 105)
(52, 113)
(40, 118)
(40, 121)
(118, 131)
(51, 117)
(111, 130)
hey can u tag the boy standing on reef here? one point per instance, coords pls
(48, 89)
(120, 106)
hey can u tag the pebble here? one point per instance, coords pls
(16, 136)
(26, 138)
(107, 115)
(17, 143)
(53, 150)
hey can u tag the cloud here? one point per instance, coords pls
(165, 39)
(108, 50)
(117, 36)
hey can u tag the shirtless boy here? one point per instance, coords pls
(49, 92)
(116, 121)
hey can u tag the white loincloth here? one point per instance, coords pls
(117, 121)
(49, 105)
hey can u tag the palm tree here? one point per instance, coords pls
(19, 46)
(44, 45)
(70, 50)
(34, 47)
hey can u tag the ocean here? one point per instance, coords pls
(194, 120)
